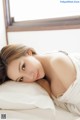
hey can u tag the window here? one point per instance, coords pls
(37, 15)
(23, 10)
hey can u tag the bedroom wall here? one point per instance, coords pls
(2, 27)
(43, 41)
(47, 41)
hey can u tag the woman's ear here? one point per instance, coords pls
(29, 52)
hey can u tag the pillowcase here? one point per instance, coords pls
(18, 95)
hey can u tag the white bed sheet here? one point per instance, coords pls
(38, 114)
(65, 115)
(34, 114)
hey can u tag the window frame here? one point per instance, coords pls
(60, 23)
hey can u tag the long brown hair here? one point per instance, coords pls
(10, 53)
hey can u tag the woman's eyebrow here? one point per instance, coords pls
(19, 66)
(17, 79)
(19, 71)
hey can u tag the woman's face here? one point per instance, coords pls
(25, 69)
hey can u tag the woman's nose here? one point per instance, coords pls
(28, 74)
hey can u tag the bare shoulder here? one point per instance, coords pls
(61, 61)
(63, 68)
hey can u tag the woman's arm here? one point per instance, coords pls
(45, 84)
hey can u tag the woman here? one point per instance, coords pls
(14, 52)
(56, 72)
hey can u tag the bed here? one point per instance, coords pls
(20, 101)
(38, 114)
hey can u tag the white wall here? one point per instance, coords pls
(2, 27)
(47, 41)
(43, 41)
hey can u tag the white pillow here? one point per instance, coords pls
(18, 95)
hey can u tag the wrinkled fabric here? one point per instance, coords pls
(70, 100)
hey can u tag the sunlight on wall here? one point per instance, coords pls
(38, 9)
(47, 41)
(67, 40)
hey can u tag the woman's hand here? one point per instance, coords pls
(45, 84)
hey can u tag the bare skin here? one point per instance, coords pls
(60, 71)
(58, 68)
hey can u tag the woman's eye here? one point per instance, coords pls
(23, 67)
(21, 79)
